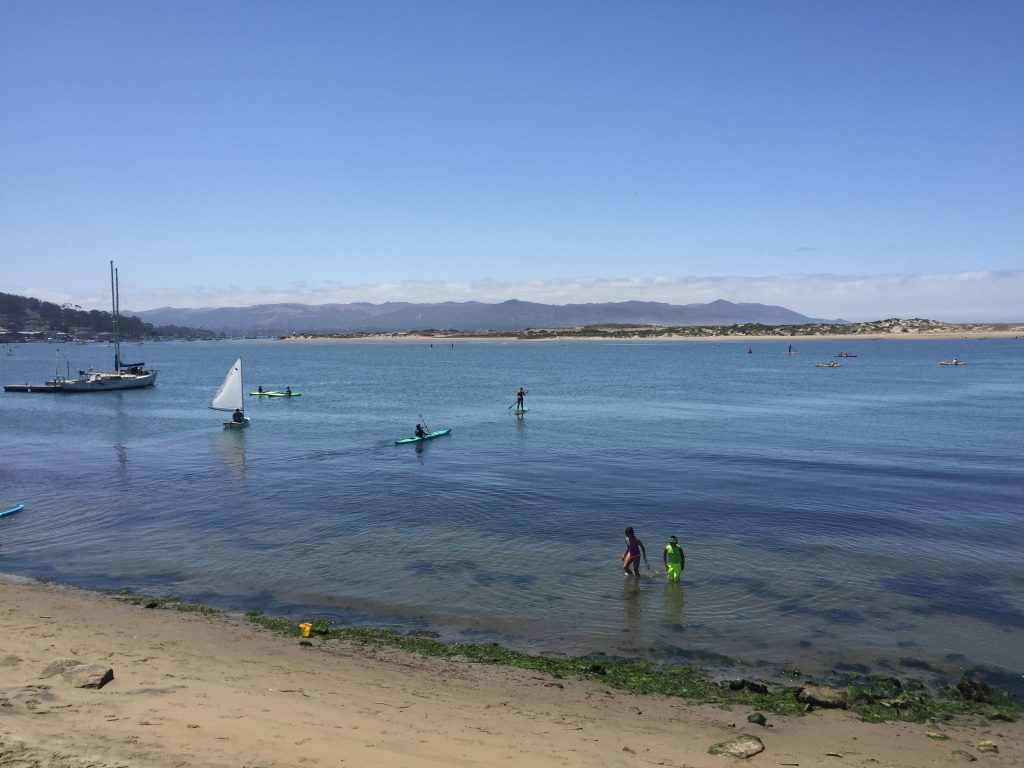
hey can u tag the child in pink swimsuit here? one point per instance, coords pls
(634, 549)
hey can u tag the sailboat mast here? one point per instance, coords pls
(114, 311)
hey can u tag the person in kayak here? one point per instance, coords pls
(673, 558)
(287, 391)
(260, 389)
(520, 395)
(420, 431)
(631, 557)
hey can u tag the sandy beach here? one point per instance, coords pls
(196, 690)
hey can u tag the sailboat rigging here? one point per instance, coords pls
(124, 375)
(229, 397)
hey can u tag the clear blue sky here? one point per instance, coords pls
(221, 152)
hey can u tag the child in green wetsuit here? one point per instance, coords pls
(673, 558)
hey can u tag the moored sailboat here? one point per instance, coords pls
(124, 375)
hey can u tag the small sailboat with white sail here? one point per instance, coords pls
(229, 398)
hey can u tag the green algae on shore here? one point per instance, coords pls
(872, 698)
(173, 603)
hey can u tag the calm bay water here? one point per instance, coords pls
(868, 515)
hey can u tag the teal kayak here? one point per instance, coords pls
(428, 436)
(283, 394)
(12, 510)
(265, 393)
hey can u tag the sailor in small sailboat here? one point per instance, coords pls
(229, 397)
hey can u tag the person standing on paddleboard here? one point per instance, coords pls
(631, 557)
(673, 558)
(520, 395)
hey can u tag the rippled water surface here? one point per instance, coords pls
(868, 515)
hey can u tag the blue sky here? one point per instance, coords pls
(856, 159)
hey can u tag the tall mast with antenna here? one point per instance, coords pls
(115, 309)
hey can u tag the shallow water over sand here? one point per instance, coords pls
(868, 514)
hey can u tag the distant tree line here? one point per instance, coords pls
(20, 313)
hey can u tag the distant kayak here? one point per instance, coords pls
(284, 394)
(266, 393)
(952, 362)
(428, 436)
(828, 365)
(12, 510)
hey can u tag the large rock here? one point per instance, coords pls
(78, 674)
(743, 746)
(822, 696)
(89, 675)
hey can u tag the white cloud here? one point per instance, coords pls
(982, 296)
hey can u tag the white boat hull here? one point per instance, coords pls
(237, 424)
(104, 381)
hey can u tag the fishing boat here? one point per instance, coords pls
(229, 397)
(832, 364)
(124, 375)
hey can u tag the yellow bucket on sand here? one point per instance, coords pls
(305, 629)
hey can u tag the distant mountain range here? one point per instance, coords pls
(513, 315)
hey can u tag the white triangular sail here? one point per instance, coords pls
(229, 396)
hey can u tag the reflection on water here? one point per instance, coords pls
(674, 597)
(230, 446)
(632, 603)
(122, 457)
